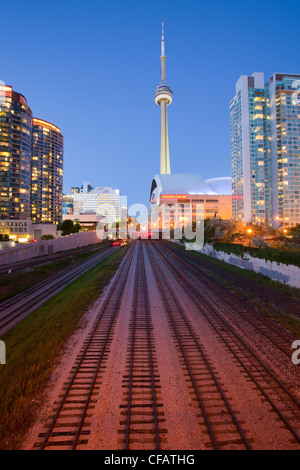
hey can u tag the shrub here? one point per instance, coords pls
(68, 227)
(259, 242)
(284, 256)
(230, 248)
(4, 237)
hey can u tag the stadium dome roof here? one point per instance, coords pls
(190, 183)
(221, 185)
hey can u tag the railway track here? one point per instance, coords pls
(142, 406)
(218, 422)
(270, 331)
(276, 299)
(69, 426)
(280, 400)
(141, 411)
(21, 305)
(31, 263)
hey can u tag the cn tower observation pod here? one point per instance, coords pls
(163, 93)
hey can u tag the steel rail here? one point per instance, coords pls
(140, 275)
(288, 303)
(31, 290)
(37, 295)
(195, 295)
(122, 278)
(223, 293)
(156, 268)
(44, 259)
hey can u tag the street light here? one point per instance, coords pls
(248, 234)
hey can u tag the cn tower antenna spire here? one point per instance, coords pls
(163, 55)
(162, 39)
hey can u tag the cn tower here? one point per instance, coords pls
(163, 97)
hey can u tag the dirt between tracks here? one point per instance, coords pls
(60, 373)
(180, 414)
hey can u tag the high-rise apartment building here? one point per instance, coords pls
(15, 155)
(31, 163)
(47, 172)
(284, 92)
(264, 122)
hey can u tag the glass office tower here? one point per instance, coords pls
(284, 91)
(46, 172)
(250, 150)
(265, 150)
(15, 155)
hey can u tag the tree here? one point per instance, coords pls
(67, 227)
(77, 227)
(209, 229)
(294, 232)
(4, 237)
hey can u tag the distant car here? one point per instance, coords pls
(116, 243)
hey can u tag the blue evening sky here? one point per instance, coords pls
(91, 67)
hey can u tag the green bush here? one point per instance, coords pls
(68, 227)
(230, 248)
(4, 237)
(288, 257)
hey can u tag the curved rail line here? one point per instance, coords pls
(287, 303)
(69, 427)
(280, 399)
(141, 413)
(264, 326)
(43, 259)
(26, 302)
(221, 422)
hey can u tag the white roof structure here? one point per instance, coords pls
(221, 185)
(190, 183)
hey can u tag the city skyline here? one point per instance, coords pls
(111, 82)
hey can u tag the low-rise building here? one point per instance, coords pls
(23, 231)
(178, 199)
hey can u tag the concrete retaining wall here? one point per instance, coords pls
(276, 271)
(8, 244)
(25, 251)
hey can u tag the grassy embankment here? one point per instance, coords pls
(284, 318)
(33, 348)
